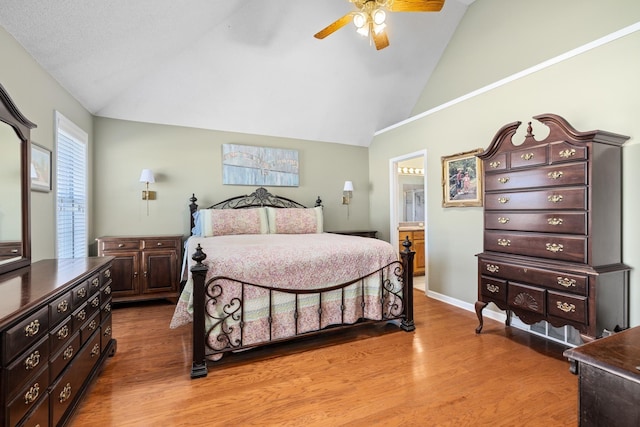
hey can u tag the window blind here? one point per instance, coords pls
(71, 189)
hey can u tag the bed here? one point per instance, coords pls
(259, 269)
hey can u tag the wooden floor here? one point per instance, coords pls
(443, 374)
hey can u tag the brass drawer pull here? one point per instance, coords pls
(92, 325)
(107, 290)
(107, 274)
(566, 282)
(65, 394)
(63, 306)
(121, 245)
(527, 156)
(107, 331)
(566, 307)
(555, 198)
(504, 242)
(159, 244)
(503, 180)
(494, 164)
(493, 288)
(68, 353)
(31, 395)
(555, 221)
(32, 328)
(95, 282)
(107, 308)
(569, 152)
(503, 200)
(82, 292)
(503, 220)
(63, 332)
(82, 315)
(493, 268)
(32, 361)
(554, 247)
(95, 302)
(555, 174)
(95, 350)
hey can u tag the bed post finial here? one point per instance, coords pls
(318, 202)
(199, 256)
(198, 274)
(407, 255)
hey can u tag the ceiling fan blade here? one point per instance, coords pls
(416, 5)
(380, 40)
(335, 26)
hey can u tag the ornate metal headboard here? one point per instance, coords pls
(259, 198)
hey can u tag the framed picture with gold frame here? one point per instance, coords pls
(462, 179)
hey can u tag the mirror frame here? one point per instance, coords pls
(10, 115)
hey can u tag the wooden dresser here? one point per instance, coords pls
(552, 228)
(56, 335)
(145, 267)
(608, 380)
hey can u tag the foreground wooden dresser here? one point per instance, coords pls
(552, 228)
(55, 324)
(608, 380)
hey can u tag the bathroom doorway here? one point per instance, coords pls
(408, 209)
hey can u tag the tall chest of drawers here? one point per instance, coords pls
(552, 228)
(56, 334)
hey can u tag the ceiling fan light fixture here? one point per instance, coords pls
(360, 20)
(379, 28)
(378, 16)
(363, 31)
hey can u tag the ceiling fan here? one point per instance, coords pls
(370, 17)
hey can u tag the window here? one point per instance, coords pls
(71, 189)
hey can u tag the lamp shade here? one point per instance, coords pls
(147, 176)
(348, 186)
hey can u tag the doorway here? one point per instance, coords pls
(408, 206)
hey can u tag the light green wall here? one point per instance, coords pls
(37, 95)
(595, 90)
(188, 160)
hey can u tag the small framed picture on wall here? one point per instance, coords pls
(462, 179)
(40, 168)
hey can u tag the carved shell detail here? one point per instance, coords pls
(525, 300)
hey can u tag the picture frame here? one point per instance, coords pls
(40, 168)
(462, 179)
(256, 165)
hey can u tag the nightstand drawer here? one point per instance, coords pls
(158, 243)
(119, 244)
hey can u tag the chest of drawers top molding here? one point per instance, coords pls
(553, 227)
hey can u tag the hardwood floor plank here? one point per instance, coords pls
(443, 374)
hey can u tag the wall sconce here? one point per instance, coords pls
(147, 177)
(347, 192)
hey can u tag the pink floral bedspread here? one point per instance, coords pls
(294, 261)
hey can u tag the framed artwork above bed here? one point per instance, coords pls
(251, 165)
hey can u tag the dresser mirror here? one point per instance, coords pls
(15, 137)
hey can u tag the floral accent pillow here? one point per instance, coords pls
(223, 222)
(295, 220)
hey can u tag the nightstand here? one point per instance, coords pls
(145, 267)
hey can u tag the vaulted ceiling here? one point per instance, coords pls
(247, 66)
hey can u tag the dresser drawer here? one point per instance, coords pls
(26, 333)
(493, 288)
(548, 176)
(93, 284)
(570, 307)
(553, 279)
(90, 327)
(61, 359)
(532, 156)
(552, 222)
(60, 335)
(527, 298)
(150, 243)
(60, 308)
(40, 416)
(28, 396)
(559, 198)
(106, 331)
(27, 364)
(562, 152)
(497, 163)
(553, 246)
(119, 245)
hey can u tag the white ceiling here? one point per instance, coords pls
(248, 66)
